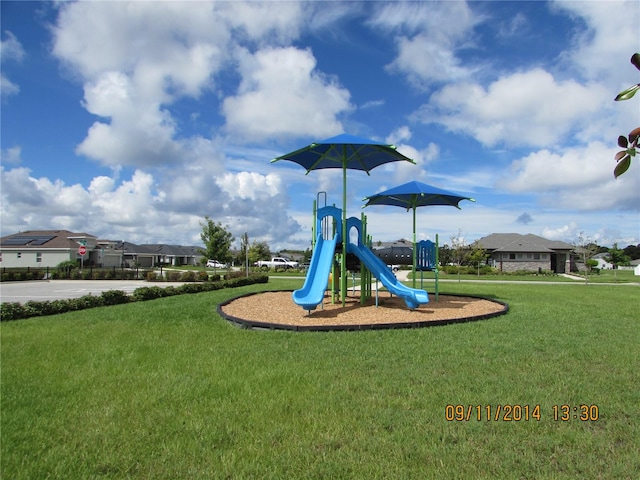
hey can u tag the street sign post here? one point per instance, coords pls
(82, 251)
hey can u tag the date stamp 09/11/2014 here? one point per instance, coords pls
(520, 413)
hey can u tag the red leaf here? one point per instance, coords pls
(620, 155)
(635, 59)
(634, 134)
(622, 142)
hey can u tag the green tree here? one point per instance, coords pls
(617, 258)
(629, 143)
(477, 256)
(217, 241)
(259, 251)
(459, 250)
(585, 248)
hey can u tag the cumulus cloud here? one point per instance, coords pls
(11, 155)
(428, 35)
(603, 46)
(563, 233)
(10, 50)
(141, 209)
(282, 93)
(523, 109)
(579, 178)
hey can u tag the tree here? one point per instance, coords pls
(217, 241)
(617, 258)
(478, 255)
(459, 250)
(586, 248)
(259, 251)
(630, 143)
(632, 251)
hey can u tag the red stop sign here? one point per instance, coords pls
(82, 249)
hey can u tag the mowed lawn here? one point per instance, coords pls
(166, 389)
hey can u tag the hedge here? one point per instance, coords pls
(15, 310)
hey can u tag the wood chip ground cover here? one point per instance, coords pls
(278, 308)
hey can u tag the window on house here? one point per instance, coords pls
(38, 257)
(512, 256)
(544, 256)
(536, 256)
(519, 256)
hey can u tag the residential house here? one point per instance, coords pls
(49, 248)
(150, 255)
(399, 252)
(511, 252)
(603, 261)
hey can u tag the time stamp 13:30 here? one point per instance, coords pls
(518, 413)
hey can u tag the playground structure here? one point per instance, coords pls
(328, 239)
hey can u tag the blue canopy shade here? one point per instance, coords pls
(416, 194)
(413, 195)
(344, 151)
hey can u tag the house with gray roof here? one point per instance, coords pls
(510, 252)
(49, 248)
(150, 255)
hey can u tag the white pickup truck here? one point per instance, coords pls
(276, 262)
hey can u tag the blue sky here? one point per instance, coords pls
(134, 120)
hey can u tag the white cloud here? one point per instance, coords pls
(282, 93)
(428, 35)
(11, 155)
(578, 178)
(10, 50)
(523, 109)
(610, 36)
(563, 232)
(141, 209)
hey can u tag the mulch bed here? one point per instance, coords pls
(276, 310)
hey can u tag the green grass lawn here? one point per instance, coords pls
(168, 389)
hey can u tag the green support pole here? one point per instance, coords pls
(343, 266)
(437, 263)
(413, 272)
(363, 236)
(313, 226)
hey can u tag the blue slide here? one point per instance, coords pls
(412, 297)
(312, 292)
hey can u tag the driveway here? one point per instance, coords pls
(62, 289)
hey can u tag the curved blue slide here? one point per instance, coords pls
(412, 297)
(312, 292)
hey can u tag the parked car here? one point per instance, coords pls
(215, 264)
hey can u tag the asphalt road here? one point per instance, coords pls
(62, 289)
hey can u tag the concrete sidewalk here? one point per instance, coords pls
(41, 290)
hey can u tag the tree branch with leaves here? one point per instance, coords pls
(629, 143)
